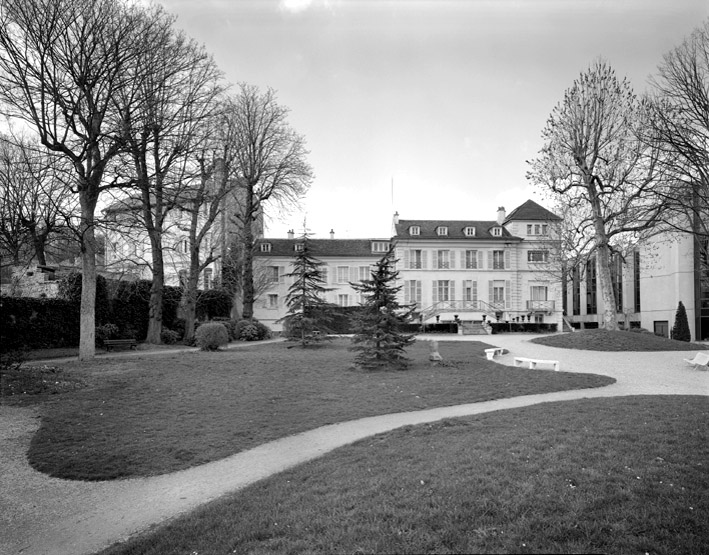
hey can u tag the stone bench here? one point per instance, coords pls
(110, 344)
(492, 353)
(533, 362)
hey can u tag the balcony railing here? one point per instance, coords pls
(541, 306)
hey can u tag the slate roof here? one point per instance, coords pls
(321, 248)
(530, 210)
(456, 230)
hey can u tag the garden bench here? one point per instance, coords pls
(112, 343)
(492, 353)
(533, 362)
(700, 359)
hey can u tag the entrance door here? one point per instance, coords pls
(662, 328)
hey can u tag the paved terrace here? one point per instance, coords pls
(42, 515)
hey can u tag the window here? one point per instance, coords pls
(414, 230)
(498, 260)
(182, 276)
(272, 274)
(265, 247)
(591, 301)
(414, 259)
(470, 290)
(208, 278)
(343, 275)
(636, 281)
(538, 293)
(576, 291)
(442, 230)
(469, 231)
(497, 231)
(538, 257)
(471, 260)
(442, 290)
(498, 292)
(343, 300)
(380, 246)
(412, 292)
(537, 229)
(443, 259)
(364, 273)
(617, 281)
(272, 301)
(184, 246)
(298, 247)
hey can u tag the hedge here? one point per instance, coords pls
(37, 323)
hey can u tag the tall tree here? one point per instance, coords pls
(598, 161)
(66, 68)
(271, 161)
(309, 318)
(166, 128)
(378, 340)
(681, 121)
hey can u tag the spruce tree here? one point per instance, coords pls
(309, 315)
(377, 338)
(680, 331)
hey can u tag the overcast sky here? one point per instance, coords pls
(444, 99)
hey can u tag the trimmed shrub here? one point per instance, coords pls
(169, 337)
(680, 331)
(211, 336)
(251, 330)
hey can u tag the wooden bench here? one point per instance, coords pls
(533, 362)
(492, 353)
(119, 343)
(700, 359)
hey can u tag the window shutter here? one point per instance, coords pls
(508, 263)
(423, 260)
(451, 258)
(407, 259)
(354, 274)
(418, 291)
(490, 297)
(508, 293)
(480, 260)
(407, 299)
(435, 291)
(281, 274)
(475, 291)
(398, 254)
(451, 292)
(490, 263)
(435, 259)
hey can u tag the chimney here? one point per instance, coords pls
(501, 215)
(291, 234)
(332, 234)
(396, 218)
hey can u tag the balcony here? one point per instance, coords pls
(541, 306)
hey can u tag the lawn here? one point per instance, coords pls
(150, 415)
(611, 475)
(602, 340)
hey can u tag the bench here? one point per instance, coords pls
(113, 343)
(700, 359)
(492, 353)
(533, 362)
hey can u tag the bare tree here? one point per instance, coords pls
(271, 162)
(176, 96)
(598, 162)
(681, 121)
(65, 69)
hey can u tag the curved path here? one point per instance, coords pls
(43, 515)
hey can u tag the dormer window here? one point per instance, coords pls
(414, 230)
(380, 246)
(442, 230)
(496, 231)
(298, 247)
(469, 231)
(265, 247)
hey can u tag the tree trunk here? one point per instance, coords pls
(248, 281)
(189, 299)
(87, 314)
(156, 291)
(605, 285)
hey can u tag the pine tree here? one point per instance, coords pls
(309, 315)
(377, 339)
(680, 331)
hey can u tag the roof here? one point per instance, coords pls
(321, 248)
(456, 229)
(530, 210)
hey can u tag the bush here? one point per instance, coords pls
(70, 290)
(169, 337)
(211, 336)
(252, 330)
(106, 331)
(230, 326)
(680, 331)
(213, 304)
(29, 323)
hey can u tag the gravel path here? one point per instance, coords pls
(43, 515)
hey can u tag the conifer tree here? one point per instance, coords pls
(680, 331)
(309, 315)
(377, 339)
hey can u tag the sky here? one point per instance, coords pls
(429, 108)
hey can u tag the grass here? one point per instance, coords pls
(615, 475)
(28, 384)
(146, 416)
(603, 340)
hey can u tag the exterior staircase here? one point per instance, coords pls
(474, 328)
